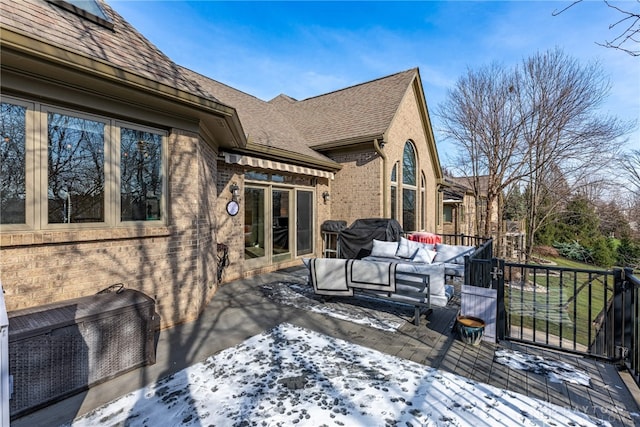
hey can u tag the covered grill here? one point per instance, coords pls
(356, 241)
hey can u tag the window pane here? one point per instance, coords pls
(76, 169)
(408, 210)
(256, 176)
(12, 164)
(447, 214)
(304, 223)
(423, 205)
(394, 173)
(280, 226)
(409, 165)
(254, 219)
(394, 202)
(140, 175)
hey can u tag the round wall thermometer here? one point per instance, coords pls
(233, 208)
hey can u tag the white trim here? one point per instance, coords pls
(256, 162)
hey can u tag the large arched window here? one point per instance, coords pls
(409, 187)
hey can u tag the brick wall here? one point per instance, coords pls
(230, 229)
(172, 263)
(408, 124)
(357, 189)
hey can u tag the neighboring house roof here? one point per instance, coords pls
(349, 115)
(465, 184)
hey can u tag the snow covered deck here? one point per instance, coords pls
(245, 309)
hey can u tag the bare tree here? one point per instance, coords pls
(628, 39)
(564, 134)
(630, 174)
(479, 115)
(630, 163)
(537, 124)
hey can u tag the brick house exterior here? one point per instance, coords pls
(61, 65)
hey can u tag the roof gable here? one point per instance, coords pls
(363, 110)
(43, 41)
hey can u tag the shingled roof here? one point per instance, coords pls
(264, 124)
(350, 114)
(467, 182)
(283, 126)
(122, 47)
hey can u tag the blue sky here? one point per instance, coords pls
(304, 49)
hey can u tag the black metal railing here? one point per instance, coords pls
(630, 324)
(563, 308)
(463, 239)
(478, 267)
(590, 312)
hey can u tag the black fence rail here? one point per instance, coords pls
(463, 239)
(478, 266)
(630, 327)
(562, 308)
(595, 313)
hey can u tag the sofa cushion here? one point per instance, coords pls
(423, 255)
(434, 271)
(384, 249)
(452, 253)
(451, 269)
(407, 248)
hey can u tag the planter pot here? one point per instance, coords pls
(470, 329)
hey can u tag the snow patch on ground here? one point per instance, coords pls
(555, 371)
(386, 316)
(293, 376)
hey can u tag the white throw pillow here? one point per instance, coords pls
(452, 253)
(424, 255)
(384, 249)
(407, 248)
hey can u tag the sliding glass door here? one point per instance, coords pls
(281, 224)
(304, 222)
(278, 223)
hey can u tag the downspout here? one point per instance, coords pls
(440, 186)
(377, 145)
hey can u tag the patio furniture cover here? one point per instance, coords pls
(356, 241)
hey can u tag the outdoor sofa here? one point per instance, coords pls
(402, 271)
(422, 254)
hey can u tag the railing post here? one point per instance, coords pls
(467, 270)
(498, 283)
(633, 361)
(620, 316)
